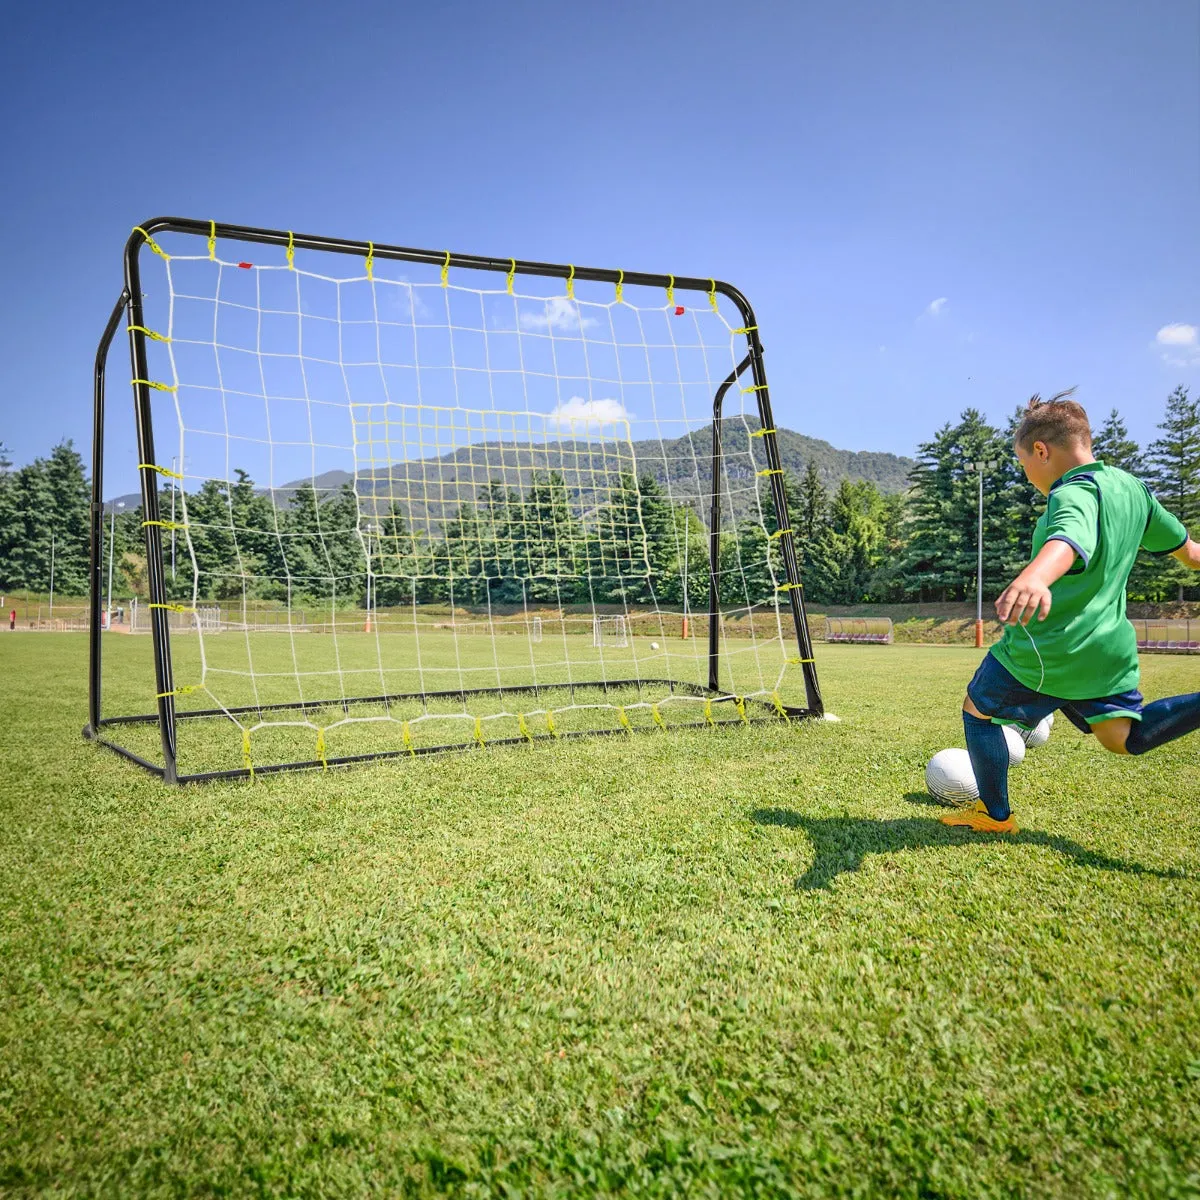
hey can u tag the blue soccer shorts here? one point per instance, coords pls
(998, 694)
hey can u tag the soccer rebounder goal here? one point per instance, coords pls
(400, 444)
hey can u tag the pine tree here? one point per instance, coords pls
(1173, 470)
(68, 518)
(1025, 503)
(942, 529)
(1113, 446)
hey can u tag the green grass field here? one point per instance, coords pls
(743, 961)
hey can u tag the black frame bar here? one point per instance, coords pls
(130, 302)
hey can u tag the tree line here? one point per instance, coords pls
(855, 543)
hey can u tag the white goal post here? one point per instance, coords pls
(610, 632)
(410, 455)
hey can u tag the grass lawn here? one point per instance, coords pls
(744, 961)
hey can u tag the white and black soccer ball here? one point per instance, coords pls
(1039, 735)
(653, 645)
(950, 777)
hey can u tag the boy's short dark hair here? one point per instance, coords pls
(1058, 421)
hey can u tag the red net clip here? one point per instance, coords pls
(245, 266)
(679, 310)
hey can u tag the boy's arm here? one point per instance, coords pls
(1188, 554)
(1029, 594)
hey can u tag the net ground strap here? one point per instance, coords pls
(775, 700)
(406, 734)
(321, 749)
(524, 727)
(623, 717)
(246, 753)
(657, 717)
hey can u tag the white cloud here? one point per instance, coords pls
(578, 413)
(1182, 344)
(936, 306)
(562, 314)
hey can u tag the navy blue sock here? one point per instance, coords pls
(1164, 721)
(988, 749)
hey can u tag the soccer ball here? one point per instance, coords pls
(1016, 746)
(1039, 735)
(950, 777)
(653, 645)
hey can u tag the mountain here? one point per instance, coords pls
(430, 489)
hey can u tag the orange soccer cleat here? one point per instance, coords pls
(976, 817)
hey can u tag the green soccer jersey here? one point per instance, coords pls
(1086, 648)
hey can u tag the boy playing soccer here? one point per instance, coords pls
(1080, 654)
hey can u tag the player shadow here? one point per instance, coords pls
(841, 843)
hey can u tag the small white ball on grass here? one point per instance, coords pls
(653, 645)
(950, 777)
(1039, 735)
(1016, 746)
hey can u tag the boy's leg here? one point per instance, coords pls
(1163, 722)
(988, 748)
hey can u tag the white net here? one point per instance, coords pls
(443, 485)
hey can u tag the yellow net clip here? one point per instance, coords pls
(406, 733)
(524, 727)
(620, 287)
(212, 241)
(779, 533)
(657, 716)
(508, 279)
(160, 470)
(761, 432)
(321, 749)
(757, 387)
(177, 525)
(623, 717)
(775, 700)
(291, 252)
(571, 283)
(479, 731)
(747, 329)
(740, 704)
(157, 337)
(370, 260)
(797, 662)
(186, 690)
(158, 387)
(671, 291)
(550, 724)
(179, 608)
(246, 752)
(446, 271)
(788, 587)
(152, 244)
(769, 471)
(712, 294)
(708, 712)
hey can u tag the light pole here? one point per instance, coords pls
(687, 537)
(112, 530)
(52, 573)
(979, 468)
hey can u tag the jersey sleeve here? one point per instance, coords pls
(1165, 532)
(1073, 516)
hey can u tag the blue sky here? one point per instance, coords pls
(930, 205)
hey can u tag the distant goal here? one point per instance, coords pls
(427, 497)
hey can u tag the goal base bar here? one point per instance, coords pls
(765, 714)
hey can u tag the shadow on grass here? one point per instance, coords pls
(841, 843)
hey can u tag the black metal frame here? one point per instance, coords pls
(130, 303)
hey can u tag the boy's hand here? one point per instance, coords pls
(1022, 600)
(1029, 594)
